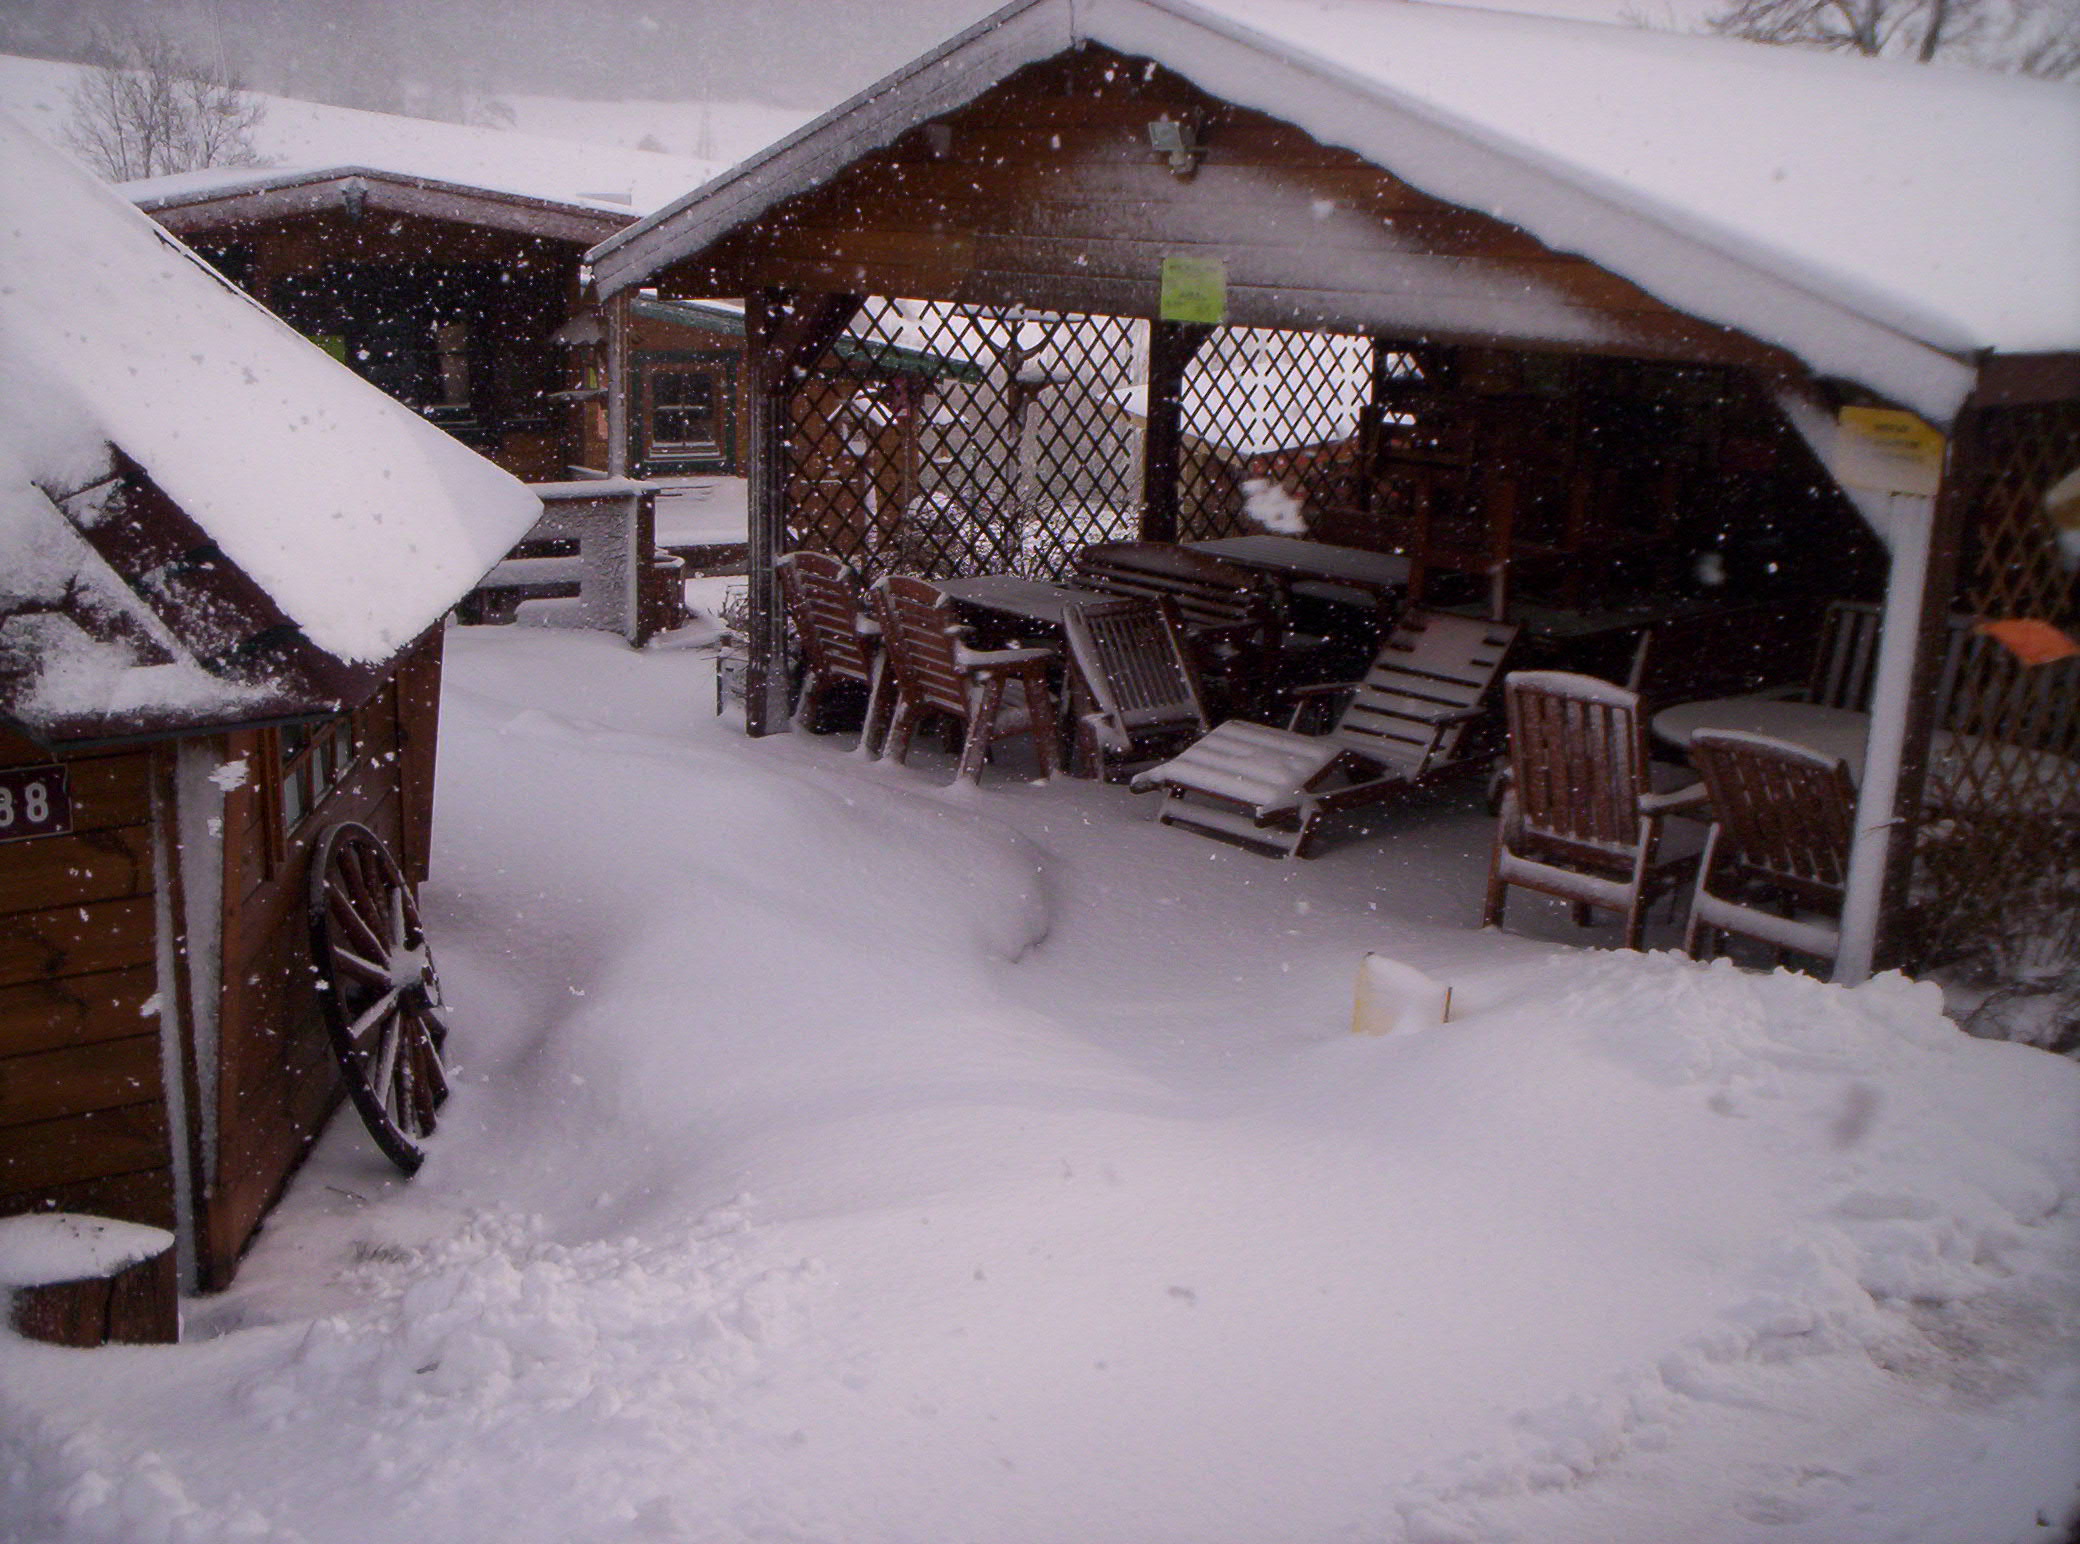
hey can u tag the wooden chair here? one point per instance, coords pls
(1138, 677)
(1229, 613)
(1580, 819)
(1778, 851)
(935, 672)
(839, 641)
(1404, 724)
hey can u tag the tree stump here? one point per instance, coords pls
(74, 1280)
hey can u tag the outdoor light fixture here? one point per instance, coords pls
(353, 197)
(1179, 141)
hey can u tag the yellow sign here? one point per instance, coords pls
(1195, 289)
(1888, 451)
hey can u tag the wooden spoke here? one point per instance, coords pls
(382, 999)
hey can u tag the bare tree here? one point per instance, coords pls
(149, 109)
(2030, 37)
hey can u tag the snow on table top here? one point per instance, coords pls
(360, 519)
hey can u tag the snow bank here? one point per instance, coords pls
(837, 1158)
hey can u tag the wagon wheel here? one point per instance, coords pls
(381, 998)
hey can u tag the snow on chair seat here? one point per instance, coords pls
(1404, 724)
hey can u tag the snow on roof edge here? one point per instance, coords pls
(182, 189)
(1838, 325)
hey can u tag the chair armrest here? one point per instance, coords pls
(1453, 715)
(866, 627)
(997, 659)
(1323, 688)
(1679, 801)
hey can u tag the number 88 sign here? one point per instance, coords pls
(34, 801)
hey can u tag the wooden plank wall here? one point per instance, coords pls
(276, 1079)
(1046, 193)
(83, 1115)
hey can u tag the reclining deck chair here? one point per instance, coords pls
(1141, 689)
(1404, 724)
(839, 641)
(934, 671)
(1776, 863)
(1580, 819)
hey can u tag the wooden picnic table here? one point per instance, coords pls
(1293, 559)
(999, 601)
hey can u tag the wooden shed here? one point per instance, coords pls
(1631, 304)
(449, 296)
(223, 565)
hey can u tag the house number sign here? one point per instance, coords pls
(34, 801)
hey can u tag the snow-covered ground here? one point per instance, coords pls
(838, 1157)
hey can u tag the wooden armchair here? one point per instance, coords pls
(935, 672)
(1142, 687)
(1404, 724)
(1778, 853)
(839, 641)
(1580, 819)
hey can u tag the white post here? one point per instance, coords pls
(1912, 525)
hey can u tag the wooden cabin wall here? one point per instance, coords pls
(533, 291)
(276, 1080)
(83, 1109)
(656, 344)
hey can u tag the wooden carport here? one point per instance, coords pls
(1064, 155)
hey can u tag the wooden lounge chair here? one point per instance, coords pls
(1138, 677)
(1229, 613)
(1777, 860)
(935, 672)
(1404, 724)
(839, 641)
(1580, 819)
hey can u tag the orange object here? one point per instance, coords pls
(2031, 641)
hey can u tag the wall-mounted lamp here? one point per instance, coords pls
(353, 197)
(1178, 140)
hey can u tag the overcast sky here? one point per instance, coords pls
(807, 53)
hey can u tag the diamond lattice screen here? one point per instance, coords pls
(1999, 878)
(1285, 406)
(941, 440)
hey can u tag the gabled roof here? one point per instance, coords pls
(190, 203)
(204, 519)
(1885, 222)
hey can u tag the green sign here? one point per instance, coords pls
(1195, 289)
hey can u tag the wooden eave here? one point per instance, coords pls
(717, 232)
(2023, 380)
(336, 189)
(225, 622)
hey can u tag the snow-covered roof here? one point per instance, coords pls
(181, 475)
(308, 136)
(190, 201)
(1885, 222)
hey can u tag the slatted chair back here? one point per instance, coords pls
(1131, 658)
(1845, 666)
(1414, 708)
(1578, 766)
(1209, 594)
(918, 631)
(823, 603)
(1785, 814)
(1846, 663)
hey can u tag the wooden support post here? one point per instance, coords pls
(1925, 539)
(620, 386)
(786, 333)
(1171, 346)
